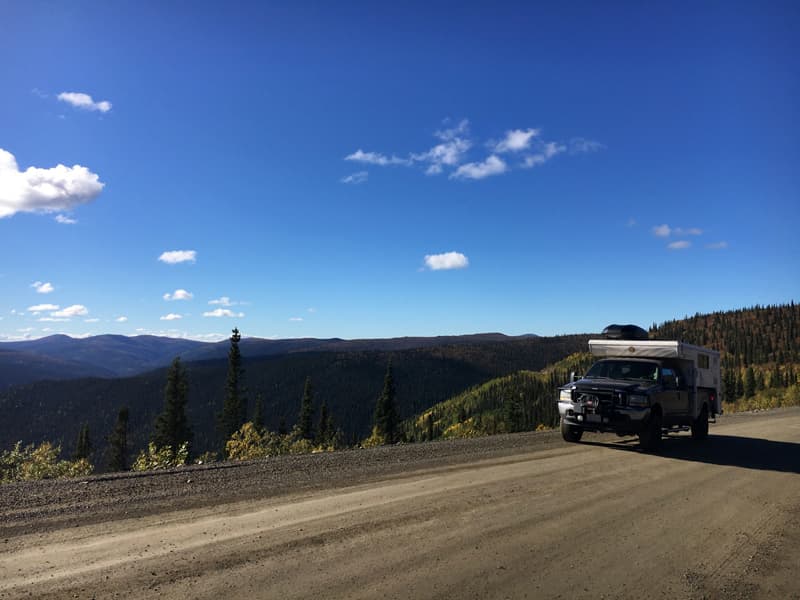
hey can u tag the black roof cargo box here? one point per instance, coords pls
(624, 332)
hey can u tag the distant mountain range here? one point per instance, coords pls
(63, 357)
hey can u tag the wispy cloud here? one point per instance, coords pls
(355, 178)
(65, 220)
(53, 319)
(493, 165)
(451, 153)
(121, 320)
(76, 310)
(42, 287)
(173, 257)
(516, 140)
(446, 261)
(684, 232)
(582, 145)
(296, 319)
(679, 245)
(171, 317)
(717, 246)
(39, 308)
(179, 294)
(92, 320)
(38, 190)
(84, 101)
(224, 301)
(662, 230)
(222, 312)
(376, 158)
(546, 151)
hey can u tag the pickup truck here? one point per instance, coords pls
(645, 388)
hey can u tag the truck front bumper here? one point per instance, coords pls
(620, 418)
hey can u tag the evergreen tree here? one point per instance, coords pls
(234, 407)
(118, 443)
(282, 426)
(258, 414)
(323, 428)
(386, 419)
(83, 447)
(749, 383)
(306, 412)
(739, 385)
(172, 427)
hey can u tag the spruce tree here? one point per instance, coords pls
(386, 419)
(172, 427)
(234, 407)
(749, 383)
(323, 428)
(304, 424)
(258, 414)
(83, 447)
(118, 443)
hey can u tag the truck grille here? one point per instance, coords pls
(598, 398)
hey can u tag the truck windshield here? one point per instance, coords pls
(624, 369)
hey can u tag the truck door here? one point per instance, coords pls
(671, 401)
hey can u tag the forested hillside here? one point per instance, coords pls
(349, 382)
(760, 352)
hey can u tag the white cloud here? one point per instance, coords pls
(681, 245)
(93, 320)
(65, 220)
(84, 101)
(631, 222)
(450, 152)
(547, 150)
(38, 190)
(717, 246)
(516, 140)
(174, 257)
(42, 287)
(491, 166)
(446, 261)
(42, 308)
(311, 309)
(121, 319)
(179, 294)
(375, 158)
(222, 312)
(662, 230)
(76, 310)
(356, 178)
(52, 319)
(171, 317)
(296, 319)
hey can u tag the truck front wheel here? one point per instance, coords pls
(570, 433)
(650, 436)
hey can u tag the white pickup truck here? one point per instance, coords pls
(643, 387)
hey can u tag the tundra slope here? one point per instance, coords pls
(509, 516)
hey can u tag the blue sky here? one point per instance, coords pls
(359, 170)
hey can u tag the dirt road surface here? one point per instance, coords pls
(522, 516)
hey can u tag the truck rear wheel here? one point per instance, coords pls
(700, 425)
(650, 436)
(570, 433)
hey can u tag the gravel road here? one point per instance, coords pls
(516, 516)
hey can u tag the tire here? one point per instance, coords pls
(650, 436)
(570, 433)
(700, 425)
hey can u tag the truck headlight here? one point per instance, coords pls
(565, 396)
(638, 400)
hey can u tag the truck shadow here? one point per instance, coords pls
(734, 451)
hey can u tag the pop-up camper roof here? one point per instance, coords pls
(648, 349)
